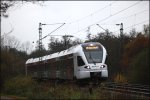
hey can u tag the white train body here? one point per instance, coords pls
(86, 61)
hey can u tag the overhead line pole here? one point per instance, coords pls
(40, 36)
(52, 31)
(121, 41)
(40, 41)
(121, 29)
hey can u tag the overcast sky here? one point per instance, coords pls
(77, 15)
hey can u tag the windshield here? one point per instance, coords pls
(94, 56)
(93, 52)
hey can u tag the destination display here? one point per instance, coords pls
(92, 47)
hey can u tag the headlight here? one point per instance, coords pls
(88, 67)
(102, 66)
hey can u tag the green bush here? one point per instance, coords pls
(120, 78)
(19, 85)
(26, 87)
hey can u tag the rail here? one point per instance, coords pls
(136, 89)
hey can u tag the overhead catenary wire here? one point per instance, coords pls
(133, 14)
(137, 24)
(53, 31)
(109, 16)
(83, 18)
(118, 12)
(54, 24)
(133, 25)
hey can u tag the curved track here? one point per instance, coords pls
(130, 89)
(134, 89)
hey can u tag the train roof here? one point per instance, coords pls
(71, 50)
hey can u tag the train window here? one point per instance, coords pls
(57, 59)
(80, 61)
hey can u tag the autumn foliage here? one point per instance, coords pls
(136, 60)
(133, 48)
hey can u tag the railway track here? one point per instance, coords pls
(130, 89)
(133, 89)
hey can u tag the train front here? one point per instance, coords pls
(94, 56)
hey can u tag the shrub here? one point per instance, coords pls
(140, 69)
(120, 78)
(19, 85)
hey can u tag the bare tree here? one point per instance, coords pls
(11, 42)
(27, 47)
(3, 37)
(146, 30)
(5, 5)
(133, 33)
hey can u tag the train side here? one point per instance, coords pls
(76, 62)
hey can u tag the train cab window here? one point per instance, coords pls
(80, 61)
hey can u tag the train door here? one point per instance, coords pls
(79, 63)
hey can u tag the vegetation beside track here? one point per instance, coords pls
(29, 89)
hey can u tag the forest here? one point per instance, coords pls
(127, 60)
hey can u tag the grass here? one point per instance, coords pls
(14, 97)
(25, 87)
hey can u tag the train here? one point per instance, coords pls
(85, 61)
